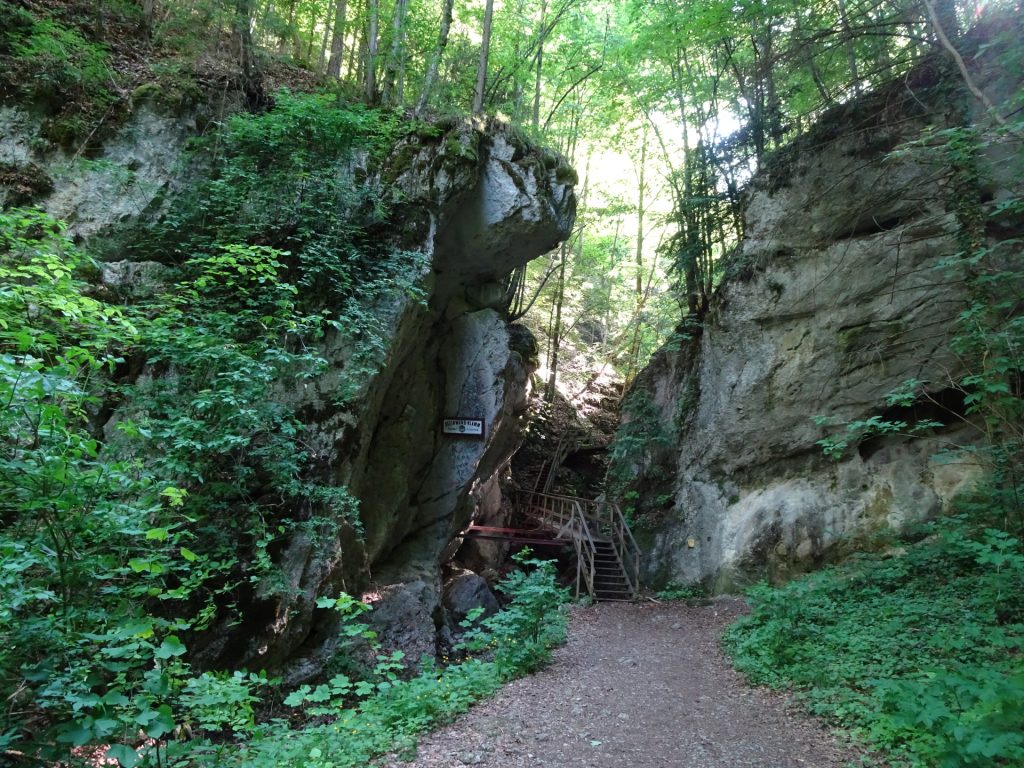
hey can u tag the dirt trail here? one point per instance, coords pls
(636, 686)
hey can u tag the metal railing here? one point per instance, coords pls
(586, 522)
(626, 548)
(586, 551)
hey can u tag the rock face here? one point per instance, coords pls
(476, 200)
(138, 166)
(480, 203)
(836, 299)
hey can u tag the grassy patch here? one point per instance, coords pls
(917, 651)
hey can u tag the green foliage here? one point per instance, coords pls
(215, 701)
(52, 63)
(74, 523)
(522, 635)
(114, 550)
(688, 592)
(856, 431)
(353, 721)
(636, 453)
(989, 338)
(293, 178)
(918, 651)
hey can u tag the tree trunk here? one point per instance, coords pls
(395, 62)
(556, 331)
(337, 39)
(435, 59)
(370, 67)
(289, 27)
(851, 56)
(641, 193)
(148, 11)
(540, 66)
(241, 34)
(324, 42)
(485, 51)
(311, 35)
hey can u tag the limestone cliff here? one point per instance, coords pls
(476, 201)
(836, 297)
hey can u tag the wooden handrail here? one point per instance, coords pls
(626, 548)
(586, 551)
(582, 519)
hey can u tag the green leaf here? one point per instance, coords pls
(77, 733)
(125, 755)
(169, 648)
(189, 555)
(162, 724)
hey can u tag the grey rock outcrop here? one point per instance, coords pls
(136, 169)
(466, 591)
(837, 298)
(476, 201)
(479, 203)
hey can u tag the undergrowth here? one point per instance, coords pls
(349, 722)
(150, 473)
(52, 63)
(917, 651)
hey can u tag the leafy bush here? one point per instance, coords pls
(638, 472)
(297, 179)
(356, 721)
(294, 178)
(116, 548)
(918, 651)
(522, 635)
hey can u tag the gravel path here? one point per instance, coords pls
(636, 686)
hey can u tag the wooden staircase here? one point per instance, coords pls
(607, 556)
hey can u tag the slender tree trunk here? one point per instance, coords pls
(241, 33)
(556, 331)
(634, 349)
(540, 67)
(641, 194)
(370, 67)
(851, 56)
(435, 58)
(485, 52)
(311, 35)
(323, 43)
(264, 18)
(356, 64)
(148, 11)
(337, 39)
(936, 18)
(290, 26)
(396, 57)
(400, 85)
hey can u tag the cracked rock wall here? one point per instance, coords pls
(837, 297)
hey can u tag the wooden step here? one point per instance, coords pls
(602, 541)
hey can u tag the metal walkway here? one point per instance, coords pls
(607, 556)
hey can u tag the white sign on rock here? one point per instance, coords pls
(463, 427)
